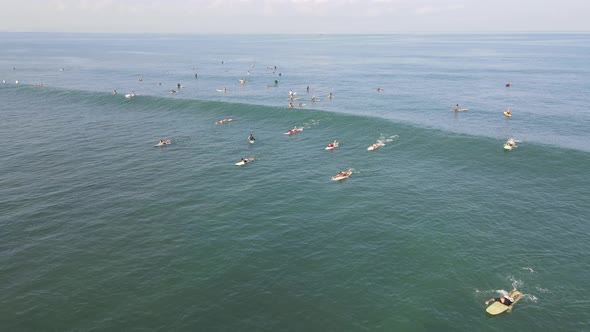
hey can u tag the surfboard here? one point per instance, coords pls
(251, 141)
(460, 110)
(497, 307)
(166, 142)
(375, 146)
(507, 114)
(242, 162)
(294, 131)
(508, 147)
(342, 177)
(332, 146)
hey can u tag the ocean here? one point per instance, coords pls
(103, 231)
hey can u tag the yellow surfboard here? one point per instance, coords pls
(497, 307)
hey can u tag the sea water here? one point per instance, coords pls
(103, 231)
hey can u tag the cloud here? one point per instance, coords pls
(426, 10)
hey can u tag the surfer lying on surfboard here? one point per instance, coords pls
(506, 300)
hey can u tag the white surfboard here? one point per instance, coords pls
(244, 162)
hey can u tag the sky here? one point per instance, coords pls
(294, 16)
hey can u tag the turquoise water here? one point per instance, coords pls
(104, 231)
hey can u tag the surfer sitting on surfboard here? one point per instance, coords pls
(251, 138)
(506, 299)
(456, 108)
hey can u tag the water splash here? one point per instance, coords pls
(530, 297)
(516, 284)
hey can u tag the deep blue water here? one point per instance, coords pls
(104, 231)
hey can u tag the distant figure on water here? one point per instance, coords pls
(114, 92)
(330, 95)
(508, 84)
(456, 108)
(379, 89)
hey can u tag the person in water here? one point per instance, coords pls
(330, 95)
(508, 111)
(290, 105)
(505, 299)
(457, 108)
(511, 142)
(346, 173)
(251, 138)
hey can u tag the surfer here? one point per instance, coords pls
(290, 105)
(251, 138)
(346, 173)
(178, 86)
(313, 99)
(508, 111)
(505, 299)
(511, 142)
(114, 92)
(508, 84)
(379, 89)
(456, 108)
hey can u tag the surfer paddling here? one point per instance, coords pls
(505, 299)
